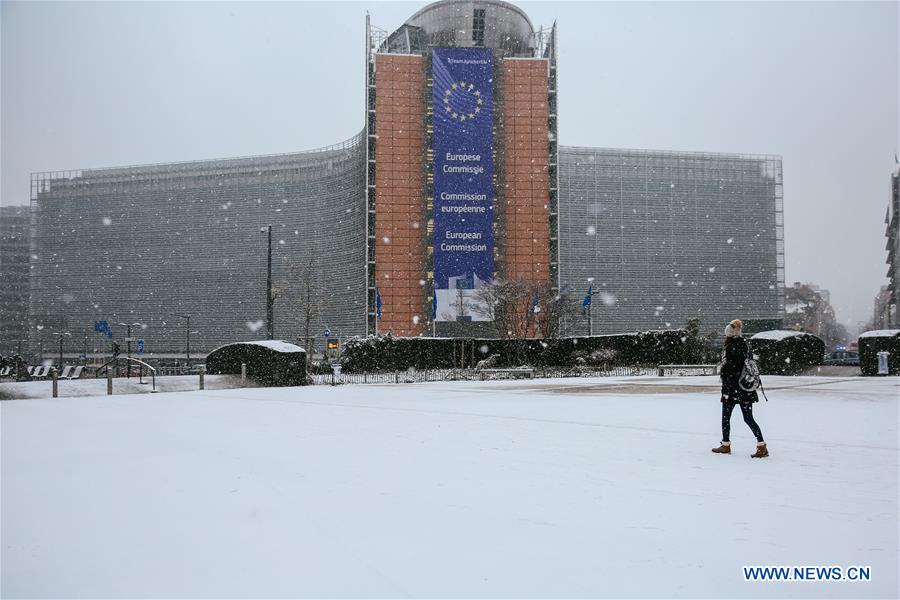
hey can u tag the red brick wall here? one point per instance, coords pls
(400, 222)
(525, 193)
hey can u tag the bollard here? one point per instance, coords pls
(883, 363)
(202, 372)
(55, 383)
(109, 375)
(243, 374)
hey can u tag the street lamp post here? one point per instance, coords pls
(187, 337)
(190, 333)
(61, 334)
(270, 302)
(128, 342)
(590, 318)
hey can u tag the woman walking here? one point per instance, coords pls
(737, 350)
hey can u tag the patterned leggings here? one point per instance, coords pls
(747, 411)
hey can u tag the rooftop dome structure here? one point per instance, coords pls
(494, 24)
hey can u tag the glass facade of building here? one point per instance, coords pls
(147, 244)
(669, 236)
(14, 250)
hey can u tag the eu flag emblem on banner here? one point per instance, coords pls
(462, 101)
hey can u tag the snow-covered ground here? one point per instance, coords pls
(550, 488)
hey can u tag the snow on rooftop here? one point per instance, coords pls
(881, 333)
(778, 334)
(279, 345)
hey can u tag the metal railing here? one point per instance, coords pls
(113, 364)
(682, 370)
(431, 375)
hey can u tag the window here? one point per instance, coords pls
(478, 27)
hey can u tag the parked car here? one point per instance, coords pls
(844, 358)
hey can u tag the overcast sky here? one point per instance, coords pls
(105, 84)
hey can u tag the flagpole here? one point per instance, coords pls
(588, 304)
(377, 309)
(434, 309)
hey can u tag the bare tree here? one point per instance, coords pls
(556, 312)
(520, 309)
(460, 303)
(307, 298)
(505, 304)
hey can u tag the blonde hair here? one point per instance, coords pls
(733, 329)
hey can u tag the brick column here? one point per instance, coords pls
(400, 220)
(526, 185)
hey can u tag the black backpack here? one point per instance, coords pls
(750, 379)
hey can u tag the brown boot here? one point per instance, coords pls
(725, 448)
(761, 451)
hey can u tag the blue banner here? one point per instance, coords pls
(103, 327)
(463, 141)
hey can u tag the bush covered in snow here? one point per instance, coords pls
(873, 342)
(389, 353)
(271, 362)
(787, 352)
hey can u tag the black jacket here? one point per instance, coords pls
(737, 350)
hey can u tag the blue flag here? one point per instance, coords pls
(433, 301)
(586, 303)
(535, 301)
(377, 303)
(103, 327)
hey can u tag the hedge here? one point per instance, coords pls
(265, 364)
(389, 353)
(788, 353)
(873, 342)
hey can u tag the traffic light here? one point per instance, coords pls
(116, 349)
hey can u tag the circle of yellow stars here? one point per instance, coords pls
(462, 86)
